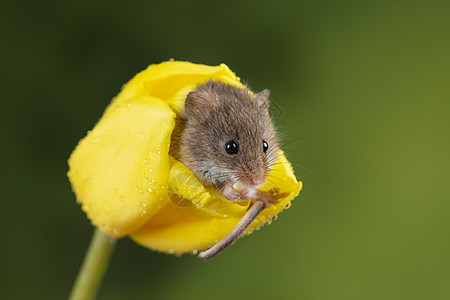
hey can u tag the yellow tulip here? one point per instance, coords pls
(128, 184)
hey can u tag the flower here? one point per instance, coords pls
(128, 184)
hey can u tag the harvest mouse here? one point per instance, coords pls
(228, 140)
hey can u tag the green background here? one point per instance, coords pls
(369, 81)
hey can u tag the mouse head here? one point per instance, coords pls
(229, 136)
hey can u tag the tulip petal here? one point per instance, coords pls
(119, 171)
(166, 79)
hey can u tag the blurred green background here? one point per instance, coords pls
(373, 219)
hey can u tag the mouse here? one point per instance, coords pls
(227, 138)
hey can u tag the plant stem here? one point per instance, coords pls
(94, 267)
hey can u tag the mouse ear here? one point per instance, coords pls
(262, 99)
(198, 106)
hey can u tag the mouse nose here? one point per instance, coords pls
(256, 182)
(252, 177)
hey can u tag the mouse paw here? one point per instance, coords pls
(230, 193)
(274, 193)
(269, 197)
(266, 198)
(257, 195)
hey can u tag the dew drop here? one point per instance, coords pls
(171, 251)
(150, 190)
(195, 251)
(150, 170)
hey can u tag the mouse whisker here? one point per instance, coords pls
(271, 151)
(320, 154)
(301, 165)
(304, 136)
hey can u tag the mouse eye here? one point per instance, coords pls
(232, 147)
(265, 146)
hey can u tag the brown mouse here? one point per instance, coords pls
(228, 140)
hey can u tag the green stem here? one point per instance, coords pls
(94, 267)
